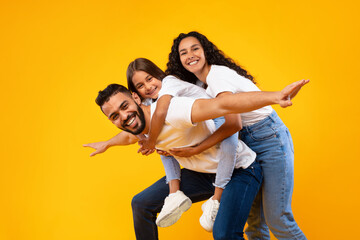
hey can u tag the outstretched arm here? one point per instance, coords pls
(123, 138)
(204, 109)
(231, 126)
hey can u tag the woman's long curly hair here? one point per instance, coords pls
(212, 55)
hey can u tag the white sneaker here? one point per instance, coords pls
(210, 209)
(175, 204)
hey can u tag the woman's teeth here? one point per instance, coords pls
(192, 63)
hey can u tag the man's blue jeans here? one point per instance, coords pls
(234, 208)
(272, 142)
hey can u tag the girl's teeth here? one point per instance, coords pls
(192, 63)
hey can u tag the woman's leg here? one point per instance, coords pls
(272, 142)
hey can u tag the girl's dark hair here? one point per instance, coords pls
(212, 55)
(142, 64)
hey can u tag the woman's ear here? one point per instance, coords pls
(136, 98)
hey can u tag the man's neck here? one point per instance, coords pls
(147, 114)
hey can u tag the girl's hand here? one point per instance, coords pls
(145, 152)
(146, 143)
(146, 147)
(100, 147)
(184, 151)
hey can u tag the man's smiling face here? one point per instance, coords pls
(125, 113)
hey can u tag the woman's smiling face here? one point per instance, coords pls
(192, 55)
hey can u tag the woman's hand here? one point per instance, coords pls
(184, 151)
(164, 153)
(289, 92)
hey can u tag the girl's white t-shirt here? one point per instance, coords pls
(175, 87)
(223, 79)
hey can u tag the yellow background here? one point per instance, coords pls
(56, 55)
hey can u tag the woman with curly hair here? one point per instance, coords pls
(195, 59)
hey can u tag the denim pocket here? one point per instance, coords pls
(262, 133)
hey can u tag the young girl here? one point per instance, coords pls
(151, 84)
(193, 57)
(171, 86)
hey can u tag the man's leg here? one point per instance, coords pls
(197, 186)
(236, 202)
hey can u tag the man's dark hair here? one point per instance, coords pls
(110, 91)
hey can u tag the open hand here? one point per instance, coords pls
(100, 147)
(289, 92)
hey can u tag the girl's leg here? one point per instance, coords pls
(227, 159)
(172, 171)
(172, 168)
(224, 172)
(177, 202)
(146, 204)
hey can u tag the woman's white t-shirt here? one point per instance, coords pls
(223, 79)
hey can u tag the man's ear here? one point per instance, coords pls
(136, 98)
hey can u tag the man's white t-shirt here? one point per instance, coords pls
(223, 79)
(179, 131)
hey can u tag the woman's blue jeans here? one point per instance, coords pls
(236, 201)
(272, 142)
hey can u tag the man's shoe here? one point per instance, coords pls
(175, 204)
(210, 209)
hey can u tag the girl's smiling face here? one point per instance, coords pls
(192, 56)
(146, 85)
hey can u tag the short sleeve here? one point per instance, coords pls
(223, 79)
(172, 86)
(179, 112)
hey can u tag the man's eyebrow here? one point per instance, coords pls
(113, 113)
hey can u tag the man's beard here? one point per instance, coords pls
(141, 126)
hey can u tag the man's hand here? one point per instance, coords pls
(100, 147)
(289, 92)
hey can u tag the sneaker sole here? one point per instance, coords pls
(205, 224)
(173, 217)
